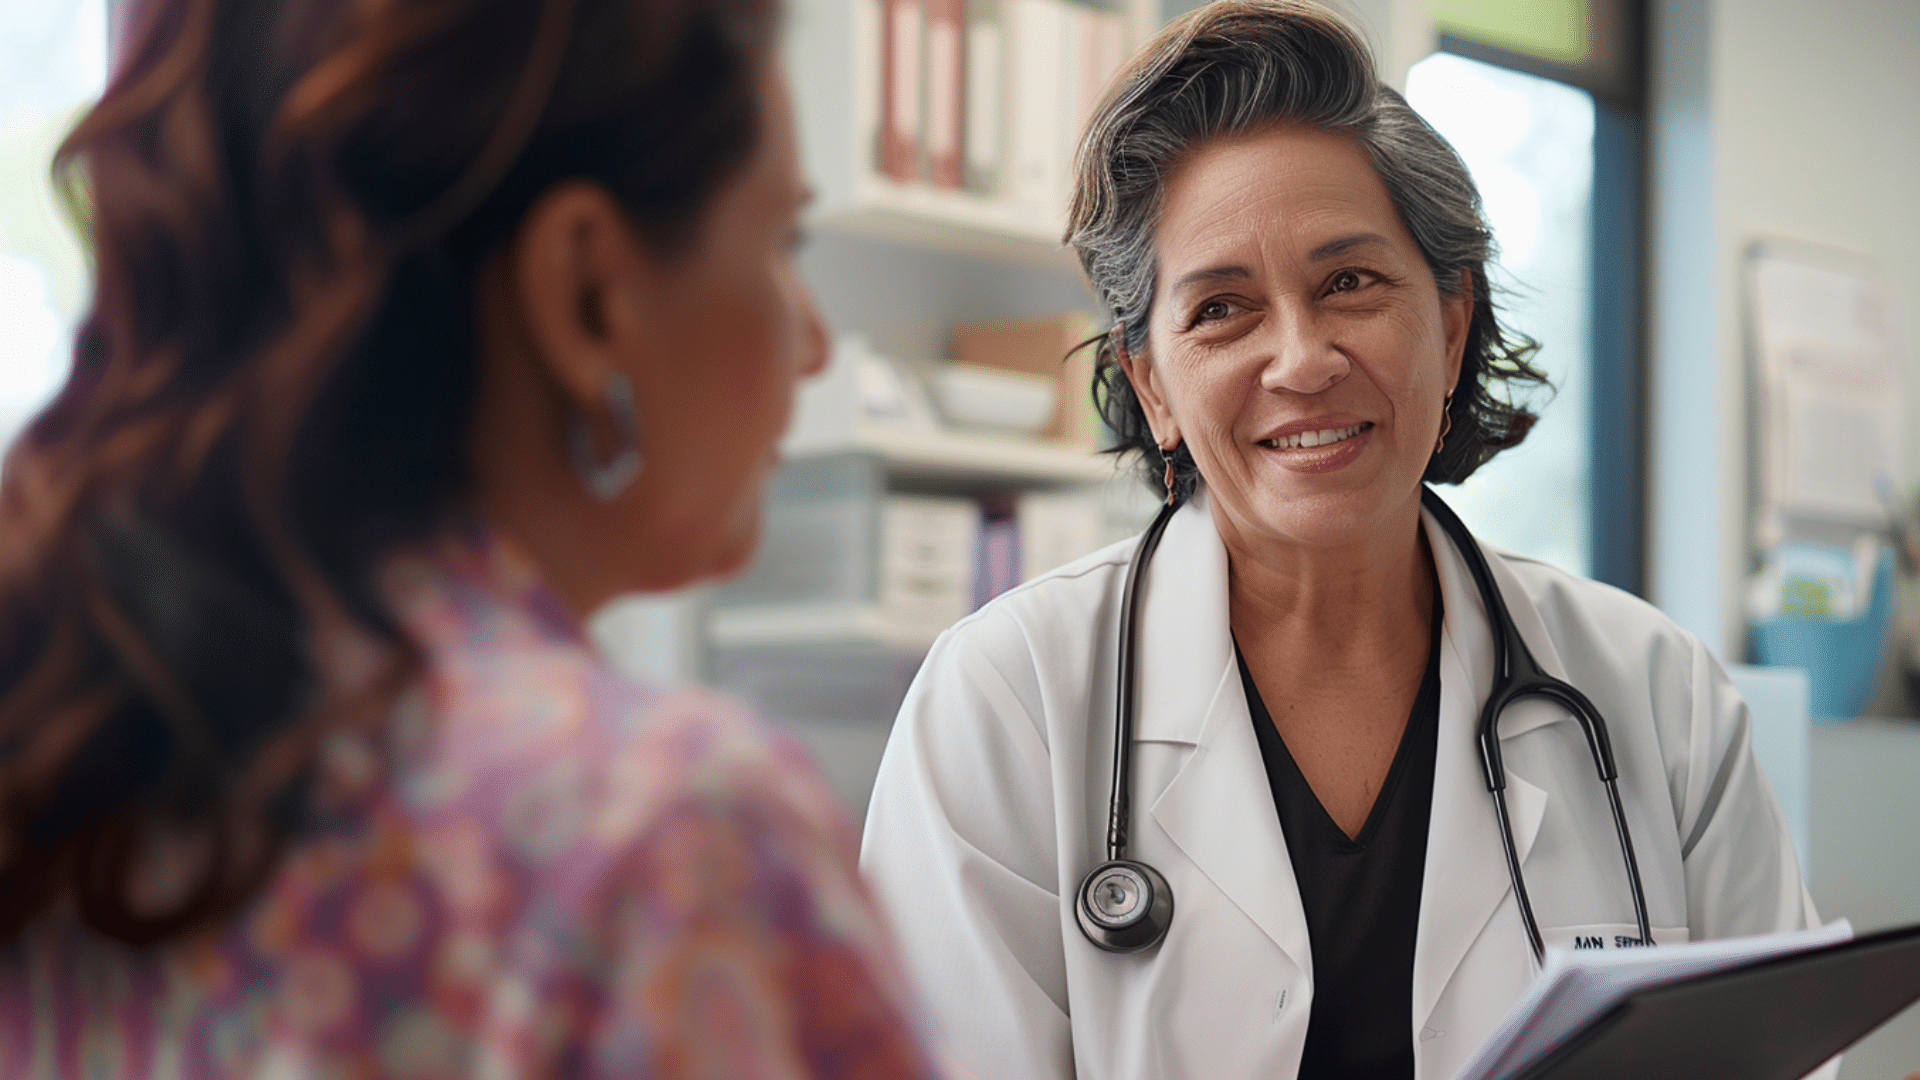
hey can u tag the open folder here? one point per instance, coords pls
(1764, 1008)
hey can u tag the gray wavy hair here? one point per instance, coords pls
(1235, 66)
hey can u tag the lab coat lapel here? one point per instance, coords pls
(1466, 881)
(1218, 809)
(1185, 640)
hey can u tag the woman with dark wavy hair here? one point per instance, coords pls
(1303, 340)
(420, 330)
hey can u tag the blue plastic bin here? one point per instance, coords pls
(1841, 659)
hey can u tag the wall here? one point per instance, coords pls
(1778, 119)
(1771, 119)
(1866, 857)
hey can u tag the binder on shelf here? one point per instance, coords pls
(997, 562)
(1099, 51)
(1037, 87)
(900, 79)
(984, 119)
(946, 91)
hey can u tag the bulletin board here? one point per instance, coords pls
(1830, 406)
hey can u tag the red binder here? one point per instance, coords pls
(900, 81)
(946, 90)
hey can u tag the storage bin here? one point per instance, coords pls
(1841, 658)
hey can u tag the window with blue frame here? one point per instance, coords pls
(1543, 100)
(1529, 143)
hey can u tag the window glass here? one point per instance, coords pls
(1529, 143)
(53, 64)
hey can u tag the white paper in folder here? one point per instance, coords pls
(1576, 988)
(1830, 413)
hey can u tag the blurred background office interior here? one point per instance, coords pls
(1707, 215)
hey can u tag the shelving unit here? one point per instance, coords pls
(813, 624)
(956, 221)
(907, 262)
(832, 58)
(909, 460)
(983, 461)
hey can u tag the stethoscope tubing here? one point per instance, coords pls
(1119, 806)
(1517, 676)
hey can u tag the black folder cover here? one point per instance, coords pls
(1775, 1020)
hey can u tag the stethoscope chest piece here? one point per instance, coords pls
(1125, 906)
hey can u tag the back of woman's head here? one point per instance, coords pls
(289, 203)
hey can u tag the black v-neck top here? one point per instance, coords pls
(1361, 894)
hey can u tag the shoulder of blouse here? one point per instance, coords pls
(655, 832)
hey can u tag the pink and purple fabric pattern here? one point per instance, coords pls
(537, 869)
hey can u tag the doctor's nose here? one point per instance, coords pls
(1301, 356)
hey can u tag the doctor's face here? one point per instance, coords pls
(1298, 342)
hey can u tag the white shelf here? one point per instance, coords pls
(963, 222)
(814, 624)
(943, 455)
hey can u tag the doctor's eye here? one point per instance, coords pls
(1213, 311)
(1353, 280)
(1346, 281)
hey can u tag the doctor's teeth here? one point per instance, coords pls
(1314, 438)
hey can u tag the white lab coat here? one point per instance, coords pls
(990, 808)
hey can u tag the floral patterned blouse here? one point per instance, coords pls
(546, 871)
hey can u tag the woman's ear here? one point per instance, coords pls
(1456, 316)
(1139, 373)
(581, 276)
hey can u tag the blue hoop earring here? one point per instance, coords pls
(605, 480)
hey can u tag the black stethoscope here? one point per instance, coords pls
(1126, 906)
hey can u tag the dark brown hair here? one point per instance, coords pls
(1235, 66)
(289, 202)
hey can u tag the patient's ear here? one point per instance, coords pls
(581, 277)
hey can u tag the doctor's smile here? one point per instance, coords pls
(1312, 446)
(1305, 739)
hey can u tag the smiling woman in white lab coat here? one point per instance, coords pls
(1303, 334)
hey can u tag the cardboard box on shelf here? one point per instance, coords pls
(1045, 346)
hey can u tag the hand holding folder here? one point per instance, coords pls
(1764, 1008)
